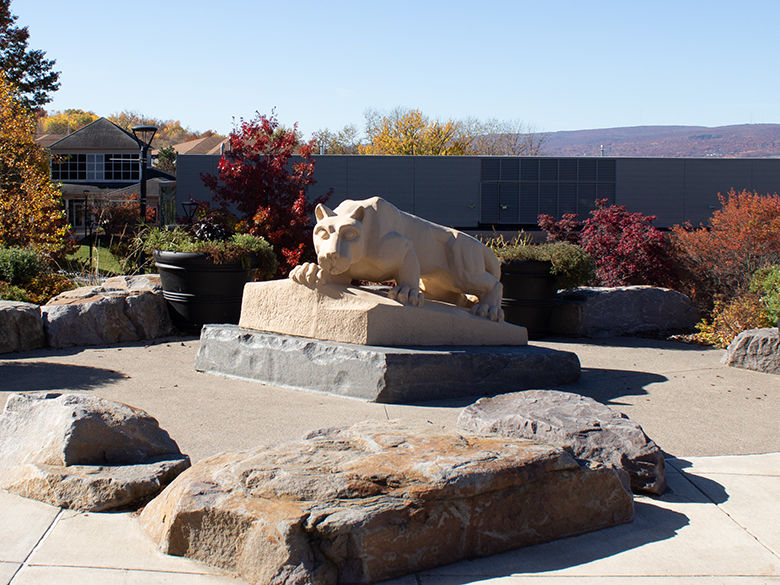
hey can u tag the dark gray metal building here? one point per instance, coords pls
(483, 192)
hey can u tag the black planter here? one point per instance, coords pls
(199, 291)
(529, 295)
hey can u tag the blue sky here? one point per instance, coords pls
(554, 65)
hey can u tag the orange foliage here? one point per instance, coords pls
(743, 236)
(31, 212)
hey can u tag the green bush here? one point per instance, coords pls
(10, 292)
(18, 266)
(766, 283)
(571, 265)
(247, 248)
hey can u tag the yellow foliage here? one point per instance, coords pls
(68, 121)
(411, 132)
(729, 319)
(31, 212)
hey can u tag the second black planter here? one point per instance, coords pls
(529, 295)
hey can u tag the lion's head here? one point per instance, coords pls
(338, 239)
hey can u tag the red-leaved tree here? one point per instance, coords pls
(257, 175)
(625, 246)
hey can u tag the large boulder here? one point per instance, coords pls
(79, 451)
(21, 327)
(621, 310)
(376, 501)
(124, 308)
(588, 429)
(755, 349)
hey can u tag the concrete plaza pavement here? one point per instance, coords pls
(718, 426)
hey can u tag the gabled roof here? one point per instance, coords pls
(46, 140)
(204, 145)
(101, 134)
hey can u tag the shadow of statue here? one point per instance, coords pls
(32, 376)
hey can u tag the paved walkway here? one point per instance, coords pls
(718, 523)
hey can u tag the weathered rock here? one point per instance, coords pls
(80, 451)
(21, 327)
(124, 308)
(588, 429)
(376, 501)
(755, 349)
(382, 374)
(622, 310)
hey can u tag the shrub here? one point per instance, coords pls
(626, 248)
(10, 292)
(729, 319)
(571, 265)
(48, 285)
(245, 248)
(766, 283)
(742, 236)
(566, 229)
(18, 266)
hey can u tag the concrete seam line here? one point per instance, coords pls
(729, 516)
(25, 562)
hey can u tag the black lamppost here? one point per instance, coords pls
(144, 135)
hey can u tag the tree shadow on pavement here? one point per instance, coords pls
(32, 376)
(651, 524)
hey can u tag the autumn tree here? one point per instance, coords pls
(258, 176)
(66, 121)
(742, 237)
(27, 70)
(31, 212)
(409, 131)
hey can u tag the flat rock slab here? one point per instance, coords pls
(755, 349)
(588, 429)
(381, 374)
(79, 451)
(621, 310)
(21, 327)
(361, 316)
(376, 501)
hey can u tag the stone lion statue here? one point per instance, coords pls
(373, 240)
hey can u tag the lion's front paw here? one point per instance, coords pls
(407, 294)
(492, 312)
(308, 273)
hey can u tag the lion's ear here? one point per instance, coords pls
(321, 211)
(358, 214)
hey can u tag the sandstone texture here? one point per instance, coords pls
(21, 327)
(376, 501)
(123, 308)
(78, 451)
(622, 310)
(755, 349)
(354, 315)
(381, 374)
(586, 428)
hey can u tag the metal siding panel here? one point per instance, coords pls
(508, 199)
(446, 190)
(489, 197)
(330, 172)
(705, 178)
(529, 202)
(653, 187)
(188, 182)
(548, 198)
(389, 177)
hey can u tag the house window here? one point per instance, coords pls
(121, 167)
(69, 167)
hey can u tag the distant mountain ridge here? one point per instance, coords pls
(740, 141)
